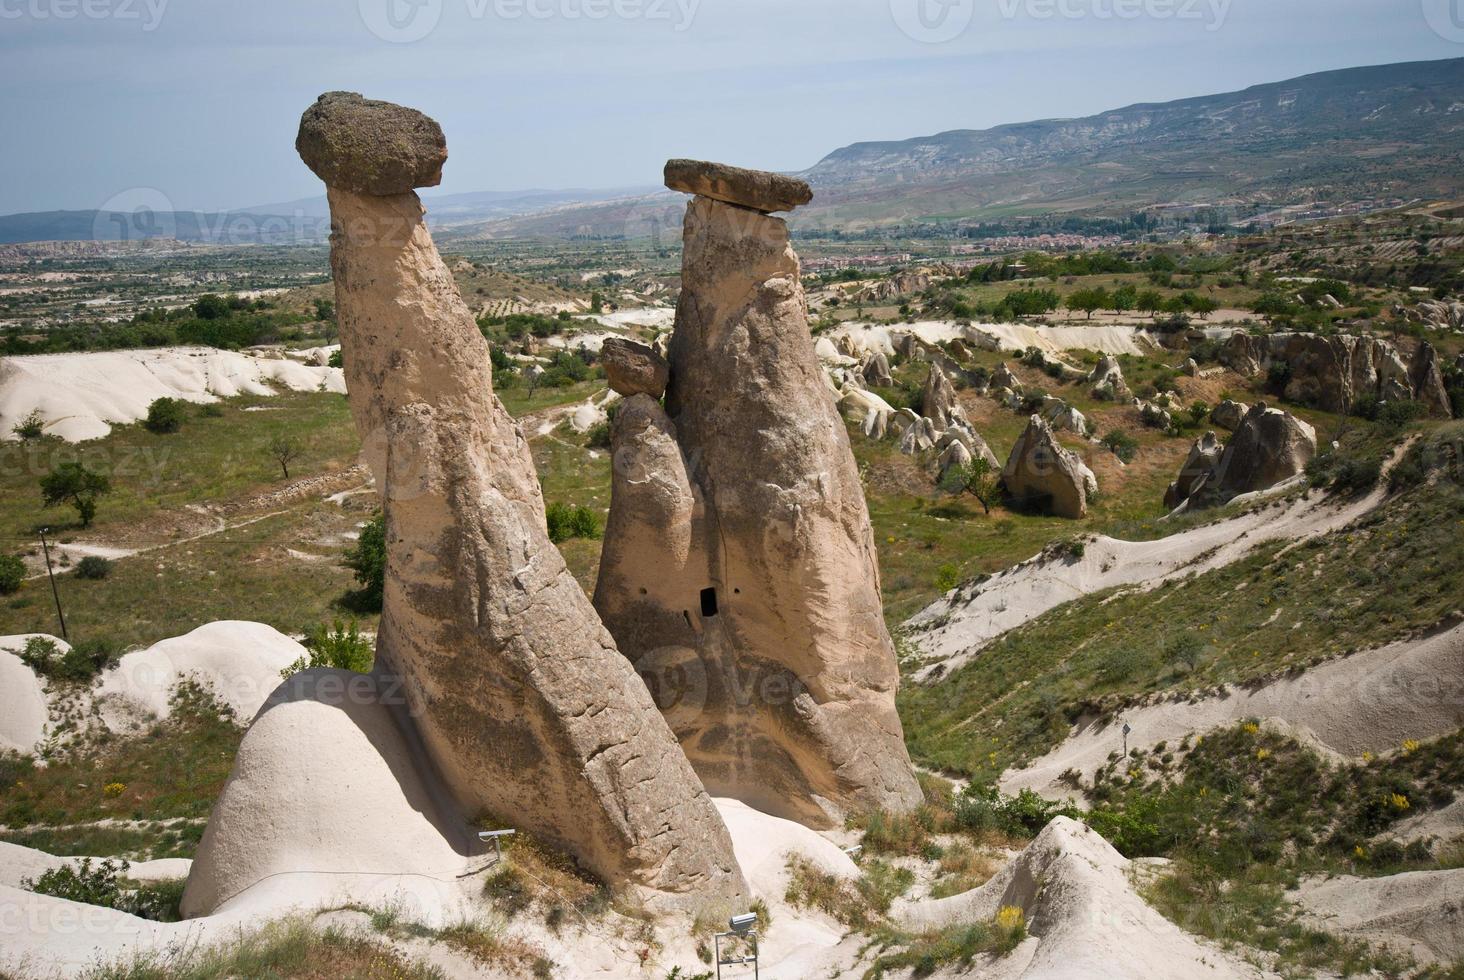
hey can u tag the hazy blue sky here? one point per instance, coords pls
(200, 98)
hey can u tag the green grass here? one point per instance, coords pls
(177, 768)
(290, 950)
(144, 842)
(216, 457)
(241, 574)
(1402, 568)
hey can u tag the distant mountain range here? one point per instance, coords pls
(291, 222)
(1377, 133)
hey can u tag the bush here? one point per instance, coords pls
(30, 427)
(100, 884)
(12, 574)
(166, 415)
(78, 664)
(1122, 445)
(339, 647)
(368, 560)
(93, 567)
(566, 522)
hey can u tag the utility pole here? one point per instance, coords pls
(55, 592)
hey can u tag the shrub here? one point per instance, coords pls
(93, 567)
(368, 560)
(1122, 445)
(73, 483)
(100, 884)
(78, 664)
(12, 574)
(565, 522)
(30, 427)
(339, 646)
(165, 415)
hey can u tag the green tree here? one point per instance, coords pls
(73, 483)
(12, 573)
(1089, 300)
(368, 560)
(166, 415)
(1124, 298)
(1149, 302)
(285, 451)
(978, 478)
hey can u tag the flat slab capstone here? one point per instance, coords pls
(759, 190)
(370, 147)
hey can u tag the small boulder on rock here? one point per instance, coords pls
(755, 189)
(634, 369)
(1229, 414)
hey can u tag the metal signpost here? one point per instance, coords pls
(742, 929)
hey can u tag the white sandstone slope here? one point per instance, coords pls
(81, 396)
(876, 338)
(1084, 919)
(1368, 702)
(24, 709)
(239, 662)
(1419, 913)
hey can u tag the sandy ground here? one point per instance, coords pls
(1369, 702)
(81, 396)
(1420, 913)
(653, 317)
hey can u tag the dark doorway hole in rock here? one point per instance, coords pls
(708, 603)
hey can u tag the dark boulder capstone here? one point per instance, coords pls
(371, 147)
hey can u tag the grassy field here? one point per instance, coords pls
(221, 454)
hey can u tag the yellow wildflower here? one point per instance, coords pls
(1359, 852)
(1251, 728)
(1011, 918)
(113, 789)
(1400, 802)
(1409, 747)
(1263, 754)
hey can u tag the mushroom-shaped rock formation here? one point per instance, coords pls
(739, 574)
(755, 189)
(1203, 456)
(876, 370)
(1043, 475)
(1108, 382)
(522, 701)
(1003, 377)
(634, 369)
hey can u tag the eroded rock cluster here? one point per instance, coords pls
(739, 570)
(1336, 373)
(1268, 447)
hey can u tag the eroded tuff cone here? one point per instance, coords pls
(521, 698)
(1040, 473)
(938, 402)
(370, 147)
(1202, 459)
(739, 571)
(756, 189)
(634, 369)
(1270, 446)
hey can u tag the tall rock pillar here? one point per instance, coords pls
(760, 626)
(521, 698)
